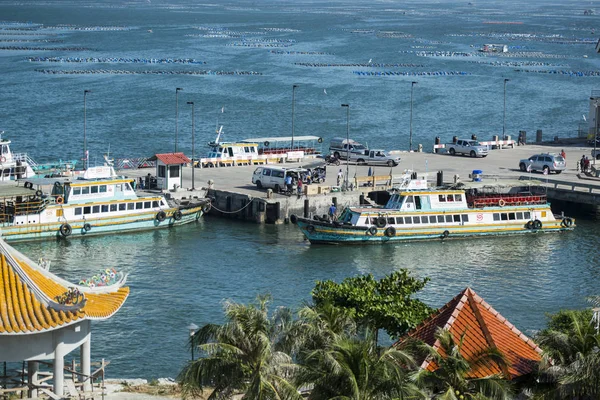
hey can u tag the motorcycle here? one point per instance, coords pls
(332, 160)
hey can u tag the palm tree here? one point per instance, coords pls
(352, 368)
(570, 366)
(452, 381)
(239, 356)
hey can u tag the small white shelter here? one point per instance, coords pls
(169, 168)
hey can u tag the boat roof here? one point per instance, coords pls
(11, 189)
(280, 139)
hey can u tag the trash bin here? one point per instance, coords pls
(476, 175)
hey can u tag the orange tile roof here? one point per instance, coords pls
(483, 328)
(25, 289)
(173, 158)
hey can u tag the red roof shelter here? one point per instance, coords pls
(483, 328)
(169, 169)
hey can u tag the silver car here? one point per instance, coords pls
(545, 162)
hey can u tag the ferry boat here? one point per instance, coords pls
(13, 166)
(98, 202)
(415, 212)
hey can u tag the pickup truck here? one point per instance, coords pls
(374, 157)
(467, 147)
(596, 154)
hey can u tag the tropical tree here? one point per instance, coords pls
(452, 379)
(240, 356)
(570, 366)
(352, 368)
(385, 304)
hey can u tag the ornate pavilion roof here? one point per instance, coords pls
(483, 328)
(28, 297)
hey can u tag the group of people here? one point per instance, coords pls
(584, 164)
(303, 178)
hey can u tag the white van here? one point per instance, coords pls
(274, 177)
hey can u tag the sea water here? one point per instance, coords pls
(181, 276)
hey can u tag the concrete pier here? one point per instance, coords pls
(234, 195)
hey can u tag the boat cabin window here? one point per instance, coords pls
(442, 198)
(526, 215)
(85, 190)
(113, 207)
(139, 206)
(503, 217)
(391, 220)
(409, 200)
(95, 209)
(416, 220)
(465, 217)
(147, 204)
(424, 219)
(78, 211)
(519, 215)
(105, 208)
(432, 219)
(87, 210)
(102, 188)
(448, 218)
(457, 197)
(456, 218)
(76, 190)
(408, 220)
(418, 202)
(512, 216)
(94, 189)
(449, 197)
(122, 207)
(400, 220)
(130, 206)
(155, 204)
(440, 219)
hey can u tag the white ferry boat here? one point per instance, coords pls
(13, 166)
(416, 212)
(99, 202)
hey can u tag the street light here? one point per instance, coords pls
(293, 109)
(504, 117)
(177, 115)
(193, 146)
(412, 86)
(85, 92)
(595, 131)
(347, 144)
(192, 328)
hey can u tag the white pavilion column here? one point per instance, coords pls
(85, 354)
(59, 365)
(32, 377)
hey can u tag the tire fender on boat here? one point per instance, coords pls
(87, 227)
(293, 219)
(65, 230)
(177, 215)
(566, 222)
(537, 224)
(372, 231)
(160, 216)
(445, 234)
(529, 225)
(206, 208)
(380, 222)
(390, 231)
(310, 228)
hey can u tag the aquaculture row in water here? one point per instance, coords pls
(28, 48)
(116, 60)
(561, 72)
(312, 53)
(520, 54)
(518, 63)
(378, 65)
(410, 73)
(145, 72)
(31, 41)
(249, 44)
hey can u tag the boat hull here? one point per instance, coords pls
(103, 226)
(320, 232)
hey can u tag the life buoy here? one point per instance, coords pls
(267, 143)
(65, 229)
(529, 225)
(177, 215)
(60, 200)
(390, 231)
(372, 231)
(537, 224)
(87, 227)
(206, 208)
(293, 219)
(320, 140)
(2, 159)
(380, 222)
(445, 234)
(310, 228)
(501, 202)
(160, 216)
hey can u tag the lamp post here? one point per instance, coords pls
(595, 157)
(177, 115)
(192, 328)
(85, 92)
(293, 110)
(193, 145)
(504, 115)
(412, 87)
(347, 144)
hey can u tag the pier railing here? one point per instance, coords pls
(564, 185)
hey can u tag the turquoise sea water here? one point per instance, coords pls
(182, 275)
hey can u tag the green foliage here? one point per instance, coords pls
(562, 321)
(385, 304)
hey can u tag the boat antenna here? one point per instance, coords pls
(219, 131)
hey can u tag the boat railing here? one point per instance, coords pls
(24, 157)
(500, 200)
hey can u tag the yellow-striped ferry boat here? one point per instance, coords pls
(98, 202)
(416, 212)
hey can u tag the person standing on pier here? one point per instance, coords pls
(332, 210)
(299, 188)
(340, 177)
(563, 154)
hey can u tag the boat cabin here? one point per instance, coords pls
(224, 150)
(12, 166)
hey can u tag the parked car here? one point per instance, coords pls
(467, 147)
(546, 162)
(375, 157)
